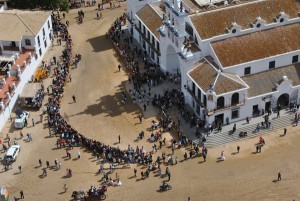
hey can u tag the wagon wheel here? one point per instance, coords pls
(102, 197)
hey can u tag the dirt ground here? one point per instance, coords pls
(98, 113)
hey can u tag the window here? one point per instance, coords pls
(45, 43)
(220, 102)
(144, 30)
(140, 24)
(199, 94)
(153, 41)
(194, 88)
(234, 114)
(39, 42)
(148, 34)
(43, 31)
(271, 64)
(27, 41)
(40, 51)
(247, 71)
(158, 46)
(282, 20)
(258, 25)
(204, 101)
(48, 24)
(295, 58)
(233, 31)
(235, 99)
(152, 54)
(157, 60)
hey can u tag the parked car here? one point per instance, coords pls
(20, 119)
(12, 153)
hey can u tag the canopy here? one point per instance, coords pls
(18, 112)
(30, 90)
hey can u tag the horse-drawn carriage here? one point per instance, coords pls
(92, 194)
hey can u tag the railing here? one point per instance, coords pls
(225, 107)
(197, 100)
(147, 40)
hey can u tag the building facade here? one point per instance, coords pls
(237, 59)
(24, 39)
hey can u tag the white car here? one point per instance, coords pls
(20, 120)
(12, 153)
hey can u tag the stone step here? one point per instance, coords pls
(216, 139)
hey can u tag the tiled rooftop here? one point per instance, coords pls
(205, 75)
(210, 24)
(151, 18)
(265, 82)
(258, 45)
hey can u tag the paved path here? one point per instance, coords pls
(226, 136)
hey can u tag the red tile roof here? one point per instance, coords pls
(151, 19)
(210, 24)
(258, 45)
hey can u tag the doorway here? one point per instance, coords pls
(267, 106)
(219, 119)
(283, 101)
(13, 43)
(255, 111)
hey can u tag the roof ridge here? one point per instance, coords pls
(155, 10)
(226, 75)
(25, 24)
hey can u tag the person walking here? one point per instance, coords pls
(74, 99)
(119, 67)
(22, 194)
(40, 162)
(119, 139)
(134, 171)
(48, 164)
(32, 121)
(140, 118)
(20, 168)
(98, 16)
(279, 176)
(238, 149)
(284, 131)
(78, 154)
(70, 78)
(65, 188)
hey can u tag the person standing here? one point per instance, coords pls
(78, 154)
(98, 16)
(284, 131)
(40, 162)
(279, 176)
(135, 171)
(48, 164)
(70, 78)
(238, 149)
(119, 139)
(65, 188)
(20, 168)
(140, 118)
(32, 122)
(74, 99)
(22, 194)
(119, 67)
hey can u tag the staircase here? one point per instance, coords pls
(224, 137)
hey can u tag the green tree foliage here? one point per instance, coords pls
(63, 5)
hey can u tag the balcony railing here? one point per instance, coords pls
(197, 100)
(147, 40)
(226, 107)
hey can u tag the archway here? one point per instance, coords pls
(172, 61)
(235, 99)
(220, 102)
(283, 100)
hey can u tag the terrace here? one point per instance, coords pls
(11, 68)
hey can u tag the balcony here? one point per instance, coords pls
(226, 107)
(147, 40)
(197, 100)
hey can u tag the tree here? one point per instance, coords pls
(63, 5)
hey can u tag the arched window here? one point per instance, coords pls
(220, 102)
(235, 99)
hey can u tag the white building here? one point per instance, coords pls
(236, 58)
(24, 39)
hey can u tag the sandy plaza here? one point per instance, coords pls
(99, 114)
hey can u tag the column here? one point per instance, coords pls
(20, 46)
(1, 45)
